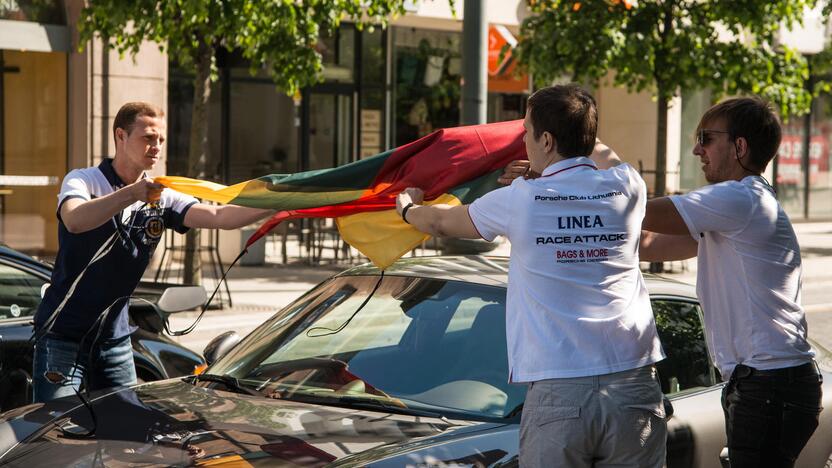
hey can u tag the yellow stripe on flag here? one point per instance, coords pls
(382, 235)
(202, 188)
(259, 194)
(231, 461)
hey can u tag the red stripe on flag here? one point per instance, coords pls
(435, 163)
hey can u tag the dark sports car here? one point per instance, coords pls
(21, 280)
(405, 369)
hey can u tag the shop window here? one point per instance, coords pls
(338, 55)
(372, 58)
(790, 178)
(180, 106)
(373, 95)
(694, 105)
(428, 68)
(820, 159)
(262, 136)
(506, 106)
(262, 132)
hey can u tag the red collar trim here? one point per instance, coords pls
(570, 167)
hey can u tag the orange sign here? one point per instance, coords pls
(501, 76)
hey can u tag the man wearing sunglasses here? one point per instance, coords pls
(748, 280)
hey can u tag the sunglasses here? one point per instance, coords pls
(703, 138)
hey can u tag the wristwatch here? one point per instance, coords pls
(404, 212)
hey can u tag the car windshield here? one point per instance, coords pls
(425, 345)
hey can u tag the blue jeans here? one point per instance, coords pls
(56, 374)
(770, 415)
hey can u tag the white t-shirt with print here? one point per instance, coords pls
(577, 303)
(748, 277)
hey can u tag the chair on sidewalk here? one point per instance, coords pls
(327, 237)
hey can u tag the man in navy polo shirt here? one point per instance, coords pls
(579, 324)
(111, 217)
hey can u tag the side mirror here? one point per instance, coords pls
(220, 346)
(179, 298)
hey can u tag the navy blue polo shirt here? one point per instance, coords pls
(114, 277)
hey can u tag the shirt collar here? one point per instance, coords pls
(579, 162)
(106, 168)
(750, 180)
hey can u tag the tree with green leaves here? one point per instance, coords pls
(666, 46)
(278, 36)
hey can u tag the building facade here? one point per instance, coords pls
(382, 88)
(56, 111)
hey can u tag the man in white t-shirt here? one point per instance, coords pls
(748, 280)
(579, 325)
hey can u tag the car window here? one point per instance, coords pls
(380, 323)
(420, 343)
(465, 315)
(687, 366)
(19, 292)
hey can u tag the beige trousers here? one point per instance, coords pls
(611, 420)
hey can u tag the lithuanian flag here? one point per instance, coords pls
(453, 166)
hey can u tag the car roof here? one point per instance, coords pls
(20, 257)
(493, 271)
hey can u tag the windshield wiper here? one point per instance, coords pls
(359, 402)
(230, 382)
(372, 403)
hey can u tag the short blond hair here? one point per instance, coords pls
(127, 115)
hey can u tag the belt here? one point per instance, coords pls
(810, 368)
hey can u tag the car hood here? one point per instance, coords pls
(175, 423)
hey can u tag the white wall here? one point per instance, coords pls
(627, 123)
(437, 14)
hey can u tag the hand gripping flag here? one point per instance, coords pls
(453, 166)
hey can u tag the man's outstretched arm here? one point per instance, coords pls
(203, 215)
(654, 247)
(663, 217)
(436, 220)
(664, 235)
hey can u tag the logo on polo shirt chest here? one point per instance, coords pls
(154, 225)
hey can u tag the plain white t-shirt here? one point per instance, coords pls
(577, 304)
(748, 277)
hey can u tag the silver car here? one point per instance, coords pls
(408, 369)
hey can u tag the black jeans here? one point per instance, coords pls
(770, 415)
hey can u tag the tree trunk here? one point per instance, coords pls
(197, 154)
(661, 147)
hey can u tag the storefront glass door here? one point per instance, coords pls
(330, 119)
